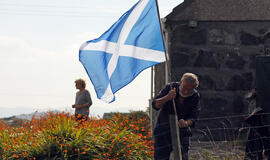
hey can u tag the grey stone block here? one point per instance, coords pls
(190, 37)
(235, 62)
(249, 39)
(205, 59)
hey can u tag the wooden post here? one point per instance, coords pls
(174, 138)
(174, 106)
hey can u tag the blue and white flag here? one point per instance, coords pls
(131, 45)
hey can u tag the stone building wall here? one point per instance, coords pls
(223, 55)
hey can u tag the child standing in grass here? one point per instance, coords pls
(82, 101)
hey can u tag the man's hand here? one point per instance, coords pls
(76, 106)
(172, 94)
(161, 101)
(183, 124)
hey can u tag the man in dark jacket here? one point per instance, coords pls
(187, 101)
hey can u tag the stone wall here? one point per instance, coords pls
(223, 55)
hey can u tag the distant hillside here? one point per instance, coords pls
(20, 119)
(13, 121)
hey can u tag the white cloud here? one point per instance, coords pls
(18, 50)
(86, 36)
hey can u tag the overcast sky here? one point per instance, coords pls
(39, 44)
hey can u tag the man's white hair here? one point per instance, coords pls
(192, 78)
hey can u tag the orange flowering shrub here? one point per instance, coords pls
(60, 136)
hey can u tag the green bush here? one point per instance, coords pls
(60, 136)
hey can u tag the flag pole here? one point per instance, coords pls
(169, 76)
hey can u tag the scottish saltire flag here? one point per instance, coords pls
(131, 45)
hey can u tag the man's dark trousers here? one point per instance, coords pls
(163, 147)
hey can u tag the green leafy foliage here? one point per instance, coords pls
(60, 136)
